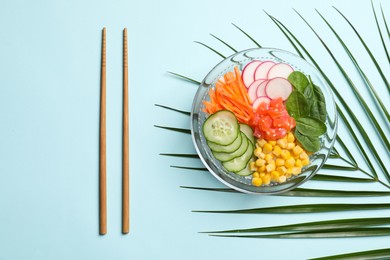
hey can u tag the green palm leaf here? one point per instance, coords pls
(230, 47)
(380, 32)
(308, 208)
(384, 20)
(247, 35)
(344, 103)
(323, 177)
(332, 233)
(365, 106)
(184, 78)
(213, 50)
(181, 155)
(367, 81)
(174, 109)
(367, 49)
(317, 225)
(378, 254)
(180, 130)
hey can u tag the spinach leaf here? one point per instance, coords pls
(297, 105)
(318, 106)
(310, 126)
(309, 143)
(298, 80)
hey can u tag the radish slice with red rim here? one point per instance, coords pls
(261, 89)
(260, 100)
(249, 71)
(278, 87)
(252, 91)
(282, 70)
(261, 71)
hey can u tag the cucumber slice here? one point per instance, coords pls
(246, 171)
(226, 148)
(239, 163)
(223, 157)
(247, 130)
(221, 128)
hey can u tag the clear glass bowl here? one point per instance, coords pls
(240, 59)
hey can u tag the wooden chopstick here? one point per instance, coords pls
(125, 177)
(102, 154)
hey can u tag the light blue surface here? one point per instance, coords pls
(49, 111)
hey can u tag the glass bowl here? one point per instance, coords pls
(243, 183)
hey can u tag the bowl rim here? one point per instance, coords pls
(192, 115)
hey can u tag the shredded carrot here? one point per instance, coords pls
(230, 93)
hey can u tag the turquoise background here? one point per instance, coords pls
(49, 116)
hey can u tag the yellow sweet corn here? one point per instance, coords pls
(296, 170)
(290, 146)
(290, 138)
(289, 163)
(282, 143)
(257, 182)
(272, 142)
(305, 161)
(277, 150)
(298, 163)
(297, 150)
(261, 142)
(266, 179)
(285, 154)
(255, 175)
(268, 157)
(282, 179)
(279, 162)
(275, 176)
(261, 168)
(267, 148)
(270, 167)
(258, 151)
(281, 170)
(260, 162)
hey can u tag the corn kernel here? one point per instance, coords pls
(266, 179)
(281, 170)
(262, 174)
(255, 175)
(261, 142)
(298, 163)
(277, 150)
(285, 154)
(305, 161)
(270, 167)
(275, 176)
(268, 157)
(289, 163)
(289, 172)
(261, 169)
(279, 162)
(303, 155)
(258, 151)
(297, 150)
(282, 143)
(282, 179)
(262, 156)
(271, 161)
(290, 146)
(290, 138)
(296, 170)
(288, 175)
(267, 148)
(252, 166)
(257, 181)
(272, 142)
(260, 162)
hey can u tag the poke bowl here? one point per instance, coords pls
(263, 121)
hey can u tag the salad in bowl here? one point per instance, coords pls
(263, 121)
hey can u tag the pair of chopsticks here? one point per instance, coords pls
(102, 159)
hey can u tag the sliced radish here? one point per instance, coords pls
(249, 71)
(261, 71)
(278, 87)
(252, 91)
(260, 100)
(279, 70)
(261, 89)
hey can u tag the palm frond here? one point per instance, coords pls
(247, 35)
(225, 43)
(184, 78)
(367, 49)
(380, 32)
(316, 225)
(325, 177)
(213, 50)
(174, 109)
(179, 130)
(346, 150)
(362, 255)
(331, 233)
(189, 168)
(366, 80)
(306, 208)
(384, 21)
(339, 167)
(181, 155)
